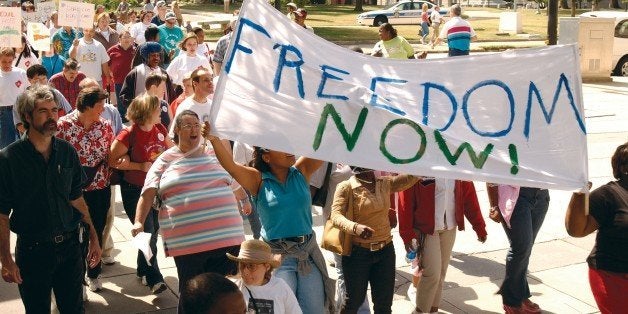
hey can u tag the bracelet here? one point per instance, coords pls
(493, 208)
(243, 201)
(355, 227)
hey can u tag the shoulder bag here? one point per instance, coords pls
(334, 239)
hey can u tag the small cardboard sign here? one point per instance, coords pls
(39, 36)
(10, 27)
(76, 14)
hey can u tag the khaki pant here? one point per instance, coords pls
(107, 245)
(436, 255)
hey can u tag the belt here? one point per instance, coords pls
(373, 246)
(299, 239)
(56, 239)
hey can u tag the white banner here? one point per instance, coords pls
(514, 117)
(76, 14)
(10, 27)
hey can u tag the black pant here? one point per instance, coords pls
(130, 196)
(98, 202)
(45, 266)
(214, 261)
(364, 266)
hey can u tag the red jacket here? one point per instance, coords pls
(416, 209)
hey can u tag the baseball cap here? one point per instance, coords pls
(301, 12)
(292, 4)
(161, 4)
(170, 15)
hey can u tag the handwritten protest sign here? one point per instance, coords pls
(39, 36)
(29, 17)
(10, 27)
(43, 10)
(513, 118)
(76, 14)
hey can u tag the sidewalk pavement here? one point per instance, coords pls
(557, 273)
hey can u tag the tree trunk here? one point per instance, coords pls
(564, 4)
(552, 22)
(615, 4)
(573, 8)
(358, 6)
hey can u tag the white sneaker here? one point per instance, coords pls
(412, 293)
(94, 284)
(108, 260)
(158, 288)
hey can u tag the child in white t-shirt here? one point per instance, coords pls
(262, 292)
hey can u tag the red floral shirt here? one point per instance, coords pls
(92, 145)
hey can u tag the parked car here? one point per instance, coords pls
(402, 12)
(620, 42)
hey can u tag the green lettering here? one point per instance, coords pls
(349, 138)
(419, 131)
(477, 160)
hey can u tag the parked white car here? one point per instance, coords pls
(402, 12)
(620, 43)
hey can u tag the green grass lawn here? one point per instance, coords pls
(337, 23)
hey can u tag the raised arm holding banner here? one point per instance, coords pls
(514, 117)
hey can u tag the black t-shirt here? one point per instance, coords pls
(608, 204)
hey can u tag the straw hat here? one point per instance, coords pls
(256, 252)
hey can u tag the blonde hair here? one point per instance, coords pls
(141, 108)
(7, 52)
(424, 7)
(190, 35)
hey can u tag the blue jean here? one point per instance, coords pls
(425, 30)
(119, 105)
(377, 268)
(130, 195)
(308, 288)
(254, 222)
(525, 223)
(453, 52)
(8, 134)
(341, 289)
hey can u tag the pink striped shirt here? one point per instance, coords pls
(199, 211)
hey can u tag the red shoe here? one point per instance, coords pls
(528, 306)
(512, 310)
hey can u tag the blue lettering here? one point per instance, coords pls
(238, 46)
(291, 64)
(548, 115)
(426, 98)
(374, 97)
(326, 75)
(511, 101)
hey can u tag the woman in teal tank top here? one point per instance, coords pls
(279, 185)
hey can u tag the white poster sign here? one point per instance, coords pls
(39, 36)
(76, 14)
(43, 10)
(10, 27)
(514, 117)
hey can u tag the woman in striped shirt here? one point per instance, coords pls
(199, 217)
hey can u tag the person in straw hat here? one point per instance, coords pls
(260, 289)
